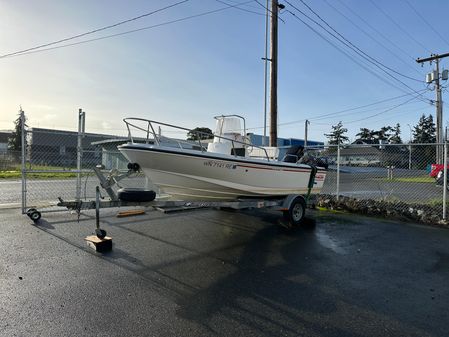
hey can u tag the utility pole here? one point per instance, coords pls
(265, 76)
(435, 77)
(307, 123)
(274, 74)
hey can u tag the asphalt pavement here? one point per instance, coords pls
(222, 273)
(45, 192)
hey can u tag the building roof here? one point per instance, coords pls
(71, 133)
(4, 135)
(360, 151)
(51, 137)
(259, 140)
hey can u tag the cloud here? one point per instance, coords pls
(49, 117)
(106, 125)
(41, 107)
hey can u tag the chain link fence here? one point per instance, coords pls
(10, 161)
(402, 175)
(60, 164)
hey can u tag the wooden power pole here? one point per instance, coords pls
(274, 73)
(435, 77)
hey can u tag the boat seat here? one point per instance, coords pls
(293, 154)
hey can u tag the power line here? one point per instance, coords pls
(246, 5)
(426, 22)
(94, 31)
(372, 37)
(361, 112)
(268, 10)
(318, 117)
(265, 7)
(376, 121)
(346, 54)
(410, 101)
(382, 112)
(135, 30)
(351, 46)
(398, 113)
(399, 26)
(242, 9)
(376, 30)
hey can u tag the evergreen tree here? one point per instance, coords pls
(337, 134)
(15, 140)
(424, 132)
(395, 138)
(200, 133)
(382, 134)
(365, 134)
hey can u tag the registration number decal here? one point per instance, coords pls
(220, 164)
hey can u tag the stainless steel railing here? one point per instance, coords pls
(149, 130)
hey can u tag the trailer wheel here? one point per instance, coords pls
(31, 210)
(296, 212)
(34, 215)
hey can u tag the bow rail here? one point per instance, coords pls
(146, 126)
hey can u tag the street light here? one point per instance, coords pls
(410, 149)
(307, 123)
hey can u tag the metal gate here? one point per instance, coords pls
(59, 164)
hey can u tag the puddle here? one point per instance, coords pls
(326, 241)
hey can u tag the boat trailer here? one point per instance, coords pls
(292, 206)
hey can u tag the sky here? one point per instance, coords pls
(189, 71)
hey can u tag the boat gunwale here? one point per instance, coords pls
(217, 156)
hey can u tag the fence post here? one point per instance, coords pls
(79, 151)
(338, 171)
(23, 163)
(409, 156)
(445, 177)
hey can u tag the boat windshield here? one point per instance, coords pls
(228, 125)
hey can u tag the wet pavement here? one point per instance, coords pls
(222, 273)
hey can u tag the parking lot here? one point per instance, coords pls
(222, 273)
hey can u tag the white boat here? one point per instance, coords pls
(224, 170)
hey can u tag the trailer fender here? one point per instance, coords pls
(286, 204)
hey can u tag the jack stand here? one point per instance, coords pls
(100, 242)
(99, 245)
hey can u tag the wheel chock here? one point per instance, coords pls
(99, 245)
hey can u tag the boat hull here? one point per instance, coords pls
(189, 174)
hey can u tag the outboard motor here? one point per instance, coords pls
(314, 161)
